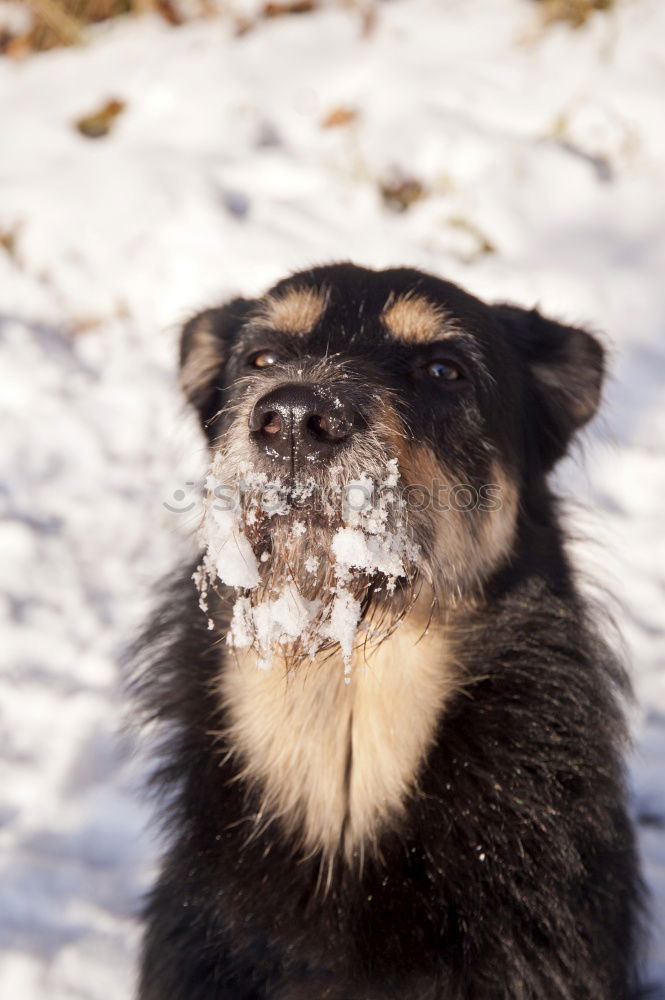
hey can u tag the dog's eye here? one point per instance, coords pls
(443, 370)
(263, 359)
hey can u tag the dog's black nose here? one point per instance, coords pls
(301, 421)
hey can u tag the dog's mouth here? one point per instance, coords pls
(316, 564)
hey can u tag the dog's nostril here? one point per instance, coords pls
(265, 421)
(272, 423)
(328, 427)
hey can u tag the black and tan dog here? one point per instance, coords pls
(451, 824)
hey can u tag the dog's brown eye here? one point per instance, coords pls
(264, 359)
(443, 370)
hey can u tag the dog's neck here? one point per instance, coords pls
(336, 762)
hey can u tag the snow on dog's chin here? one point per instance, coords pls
(302, 562)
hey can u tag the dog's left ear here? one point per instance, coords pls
(566, 366)
(204, 346)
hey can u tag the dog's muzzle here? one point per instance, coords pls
(297, 422)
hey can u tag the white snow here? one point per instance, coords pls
(234, 559)
(354, 549)
(273, 614)
(542, 159)
(342, 625)
(283, 619)
(272, 623)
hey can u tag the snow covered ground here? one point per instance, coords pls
(541, 155)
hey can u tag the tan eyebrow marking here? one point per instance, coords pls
(414, 318)
(296, 311)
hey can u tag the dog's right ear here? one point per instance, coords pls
(204, 347)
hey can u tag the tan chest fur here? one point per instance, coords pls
(336, 761)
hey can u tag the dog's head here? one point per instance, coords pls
(441, 412)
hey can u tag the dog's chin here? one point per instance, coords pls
(296, 550)
(324, 569)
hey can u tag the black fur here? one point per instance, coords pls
(513, 873)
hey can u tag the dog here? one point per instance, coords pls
(411, 786)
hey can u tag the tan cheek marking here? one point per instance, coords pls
(468, 545)
(419, 464)
(497, 533)
(297, 311)
(448, 532)
(202, 361)
(412, 317)
(336, 762)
